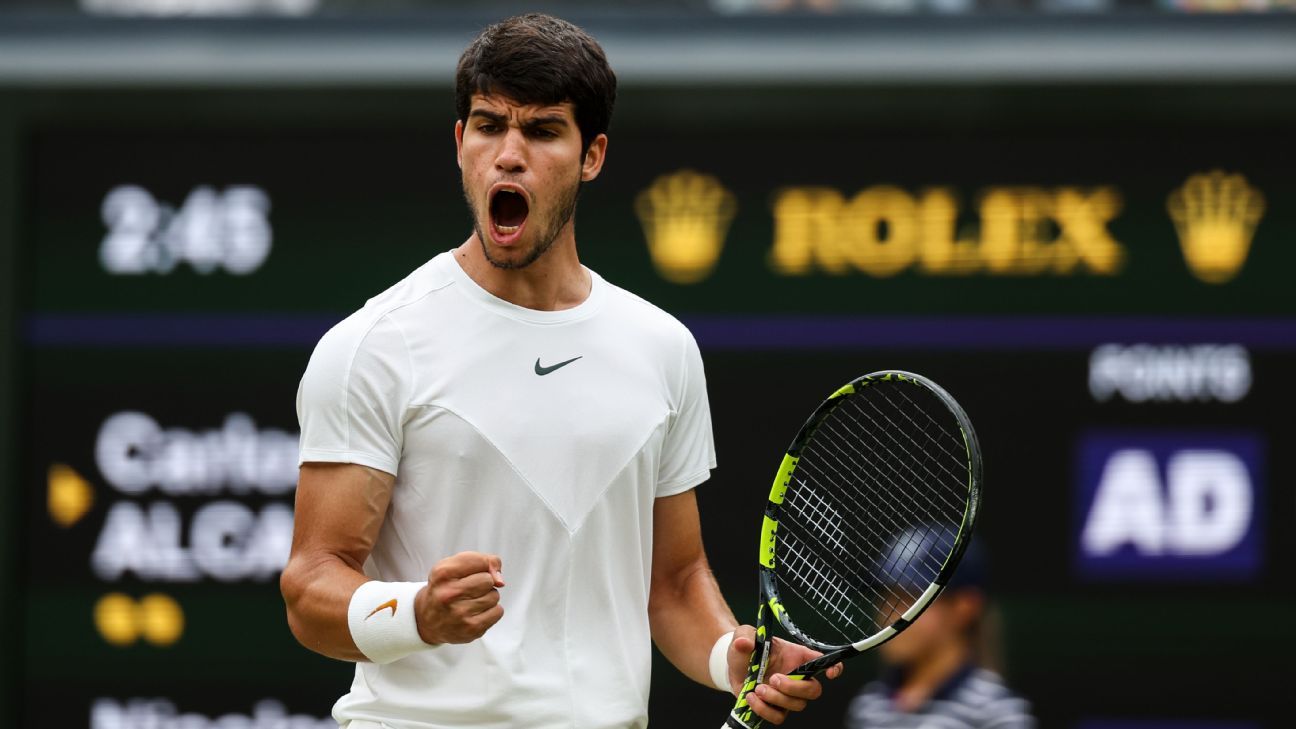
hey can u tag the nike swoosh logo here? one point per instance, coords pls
(389, 604)
(542, 371)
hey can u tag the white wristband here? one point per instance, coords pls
(381, 618)
(720, 662)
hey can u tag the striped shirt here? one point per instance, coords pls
(974, 698)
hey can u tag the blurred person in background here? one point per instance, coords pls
(936, 671)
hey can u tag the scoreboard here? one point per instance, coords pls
(1107, 293)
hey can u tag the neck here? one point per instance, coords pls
(554, 281)
(924, 677)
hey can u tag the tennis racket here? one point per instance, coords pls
(870, 512)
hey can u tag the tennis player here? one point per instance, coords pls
(934, 675)
(495, 513)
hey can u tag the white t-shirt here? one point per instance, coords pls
(439, 382)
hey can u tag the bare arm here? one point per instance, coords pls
(340, 510)
(688, 614)
(686, 611)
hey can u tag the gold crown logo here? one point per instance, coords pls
(685, 217)
(1216, 214)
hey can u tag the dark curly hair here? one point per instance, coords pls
(539, 59)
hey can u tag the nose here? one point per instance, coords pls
(512, 153)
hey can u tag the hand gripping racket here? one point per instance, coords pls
(870, 512)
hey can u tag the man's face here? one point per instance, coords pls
(522, 168)
(922, 638)
(945, 622)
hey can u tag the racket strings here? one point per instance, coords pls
(880, 456)
(914, 509)
(906, 458)
(958, 454)
(952, 492)
(807, 514)
(870, 518)
(833, 602)
(923, 457)
(816, 585)
(878, 496)
(810, 578)
(858, 527)
(959, 459)
(870, 601)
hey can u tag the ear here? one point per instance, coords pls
(594, 156)
(459, 129)
(967, 605)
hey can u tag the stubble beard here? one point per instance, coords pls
(564, 211)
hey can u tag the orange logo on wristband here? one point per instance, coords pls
(389, 604)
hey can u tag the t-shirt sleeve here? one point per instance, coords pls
(352, 399)
(688, 454)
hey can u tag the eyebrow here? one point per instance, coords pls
(536, 121)
(554, 119)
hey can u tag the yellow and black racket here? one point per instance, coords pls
(870, 512)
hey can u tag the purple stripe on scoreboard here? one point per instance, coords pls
(782, 332)
(1164, 724)
(178, 330)
(972, 333)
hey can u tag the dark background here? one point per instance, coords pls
(363, 188)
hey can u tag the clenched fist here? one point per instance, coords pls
(461, 600)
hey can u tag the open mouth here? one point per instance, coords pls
(508, 211)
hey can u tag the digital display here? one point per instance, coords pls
(1170, 505)
(159, 517)
(239, 220)
(1121, 336)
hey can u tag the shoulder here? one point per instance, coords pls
(646, 319)
(376, 326)
(983, 684)
(985, 691)
(385, 309)
(871, 692)
(662, 339)
(871, 706)
(417, 288)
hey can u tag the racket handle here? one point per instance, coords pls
(733, 722)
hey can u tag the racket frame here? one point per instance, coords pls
(742, 716)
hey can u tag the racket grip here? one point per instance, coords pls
(733, 722)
